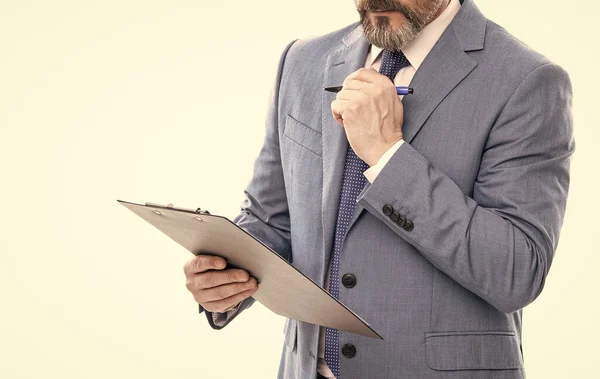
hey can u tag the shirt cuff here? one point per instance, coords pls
(372, 172)
(221, 318)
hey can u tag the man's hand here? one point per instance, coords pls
(370, 111)
(215, 288)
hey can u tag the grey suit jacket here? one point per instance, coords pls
(483, 175)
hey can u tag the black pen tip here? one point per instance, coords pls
(333, 89)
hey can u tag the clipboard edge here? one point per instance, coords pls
(152, 205)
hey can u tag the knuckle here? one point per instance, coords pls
(220, 293)
(231, 276)
(197, 264)
(207, 281)
(205, 262)
(189, 284)
(187, 267)
(241, 275)
(200, 296)
(198, 299)
(391, 88)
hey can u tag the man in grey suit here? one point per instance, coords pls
(434, 216)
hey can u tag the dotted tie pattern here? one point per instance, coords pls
(353, 181)
(392, 62)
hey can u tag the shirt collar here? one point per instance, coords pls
(418, 49)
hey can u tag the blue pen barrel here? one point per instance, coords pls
(404, 90)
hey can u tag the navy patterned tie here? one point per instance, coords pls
(353, 181)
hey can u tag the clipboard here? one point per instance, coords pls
(283, 289)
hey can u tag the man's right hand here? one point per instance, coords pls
(215, 288)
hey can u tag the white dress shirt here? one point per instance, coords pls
(415, 53)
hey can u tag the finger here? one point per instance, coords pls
(367, 75)
(202, 263)
(224, 291)
(222, 305)
(216, 278)
(383, 88)
(354, 84)
(351, 95)
(338, 108)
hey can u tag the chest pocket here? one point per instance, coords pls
(302, 135)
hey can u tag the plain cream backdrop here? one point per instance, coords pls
(165, 101)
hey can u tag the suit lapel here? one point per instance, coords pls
(443, 69)
(446, 65)
(341, 63)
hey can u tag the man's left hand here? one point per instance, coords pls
(371, 112)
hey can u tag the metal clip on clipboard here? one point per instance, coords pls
(170, 206)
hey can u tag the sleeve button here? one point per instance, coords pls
(401, 221)
(388, 210)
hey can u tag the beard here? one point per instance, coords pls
(382, 34)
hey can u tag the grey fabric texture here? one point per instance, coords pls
(483, 176)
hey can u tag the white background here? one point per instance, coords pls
(165, 101)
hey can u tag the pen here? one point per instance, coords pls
(399, 90)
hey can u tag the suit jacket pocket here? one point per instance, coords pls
(471, 350)
(302, 135)
(290, 330)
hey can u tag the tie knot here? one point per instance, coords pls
(392, 62)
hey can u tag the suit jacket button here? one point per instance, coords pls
(348, 350)
(388, 210)
(408, 226)
(395, 216)
(349, 280)
(401, 221)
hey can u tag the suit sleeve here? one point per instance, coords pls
(372, 172)
(264, 211)
(500, 243)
